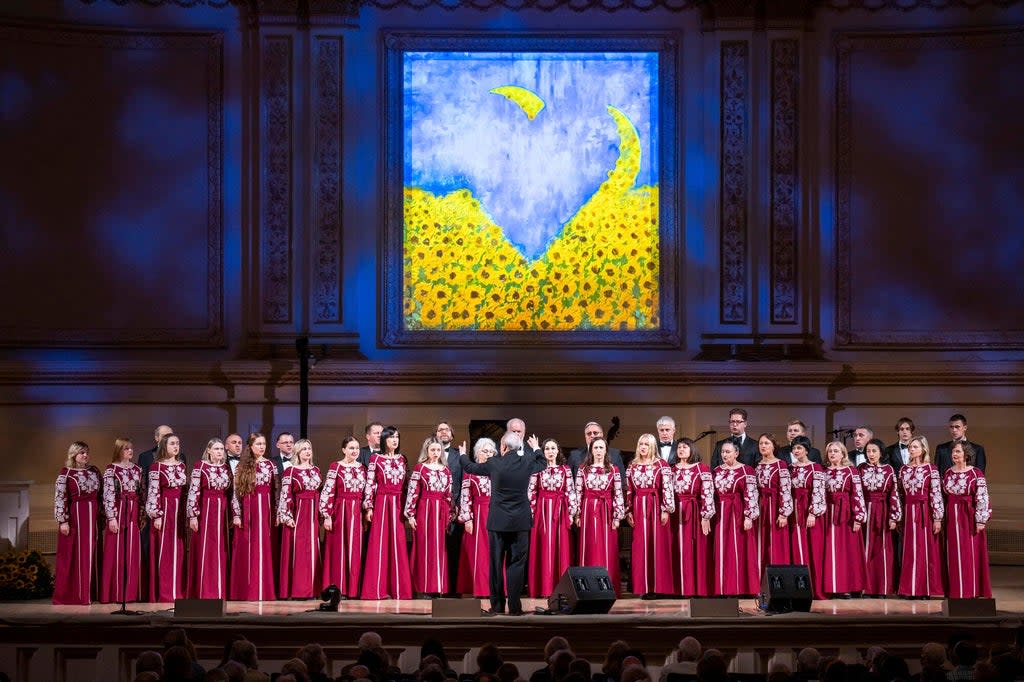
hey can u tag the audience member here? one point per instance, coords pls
(687, 654)
(150, 661)
(315, 659)
(488, 659)
(244, 652)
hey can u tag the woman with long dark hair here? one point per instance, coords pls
(341, 502)
(386, 573)
(554, 503)
(775, 495)
(694, 491)
(884, 512)
(602, 508)
(807, 539)
(254, 506)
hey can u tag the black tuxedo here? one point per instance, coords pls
(278, 461)
(509, 522)
(854, 455)
(944, 456)
(749, 453)
(672, 458)
(785, 453)
(579, 455)
(364, 455)
(893, 457)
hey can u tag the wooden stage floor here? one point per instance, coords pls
(278, 628)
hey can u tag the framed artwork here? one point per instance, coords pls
(530, 191)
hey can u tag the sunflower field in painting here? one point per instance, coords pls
(598, 271)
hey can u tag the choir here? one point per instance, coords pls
(696, 531)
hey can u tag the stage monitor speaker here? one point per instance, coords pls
(455, 608)
(785, 588)
(583, 589)
(198, 608)
(726, 607)
(969, 608)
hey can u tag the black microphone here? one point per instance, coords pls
(706, 433)
(841, 432)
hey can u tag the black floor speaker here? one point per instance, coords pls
(786, 588)
(583, 589)
(198, 608)
(455, 608)
(969, 608)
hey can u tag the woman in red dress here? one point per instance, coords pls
(735, 559)
(649, 502)
(474, 507)
(554, 503)
(77, 512)
(341, 502)
(694, 491)
(843, 568)
(775, 495)
(122, 488)
(428, 507)
(807, 539)
(602, 508)
(386, 573)
(883, 513)
(207, 511)
(165, 505)
(923, 511)
(298, 515)
(253, 505)
(967, 512)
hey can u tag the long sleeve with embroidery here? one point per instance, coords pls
(194, 489)
(618, 503)
(296, 482)
(982, 510)
(153, 509)
(751, 506)
(785, 491)
(412, 492)
(667, 479)
(860, 507)
(935, 493)
(531, 493)
(371, 484)
(326, 507)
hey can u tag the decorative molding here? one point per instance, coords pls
(735, 151)
(785, 180)
(276, 178)
(830, 375)
(212, 335)
(846, 45)
(326, 96)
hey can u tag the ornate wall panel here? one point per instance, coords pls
(326, 100)
(276, 178)
(111, 187)
(928, 173)
(785, 180)
(735, 153)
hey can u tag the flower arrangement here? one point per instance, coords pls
(24, 575)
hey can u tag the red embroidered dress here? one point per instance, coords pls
(648, 494)
(736, 561)
(883, 507)
(967, 506)
(694, 490)
(252, 558)
(208, 556)
(341, 500)
(601, 503)
(921, 571)
(122, 488)
(808, 544)
(75, 503)
(554, 503)
(429, 502)
(474, 562)
(386, 573)
(775, 496)
(300, 545)
(843, 568)
(165, 500)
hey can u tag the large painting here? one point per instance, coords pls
(531, 179)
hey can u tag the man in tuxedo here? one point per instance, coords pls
(738, 433)
(666, 427)
(944, 452)
(509, 520)
(372, 447)
(861, 436)
(453, 535)
(233, 449)
(793, 429)
(898, 454)
(283, 459)
(576, 458)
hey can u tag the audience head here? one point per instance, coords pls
(313, 656)
(633, 672)
(712, 667)
(933, 655)
(177, 663)
(581, 667)
(612, 665)
(216, 675)
(965, 653)
(148, 676)
(559, 663)
(297, 668)
(434, 647)
(556, 643)
(488, 659)
(244, 652)
(808, 659)
(369, 640)
(234, 670)
(150, 661)
(689, 649)
(506, 672)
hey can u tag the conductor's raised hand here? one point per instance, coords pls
(533, 442)
(462, 448)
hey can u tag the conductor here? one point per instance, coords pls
(509, 520)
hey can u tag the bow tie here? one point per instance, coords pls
(665, 445)
(234, 457)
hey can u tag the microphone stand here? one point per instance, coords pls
(123, 531)
(702, 436)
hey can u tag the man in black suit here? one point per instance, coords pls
(738, 433)
(898, 454)
(576, 458)
(372, 447)
(453, 536)
(149, 456)
(861, 436)
(793, 429)
(944, 452)
(233, 447)
(517, 426)
(509, 520)
(666, 427)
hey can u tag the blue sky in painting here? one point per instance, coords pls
(530, 176)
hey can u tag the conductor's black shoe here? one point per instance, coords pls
(517, 613)
(491, 612)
